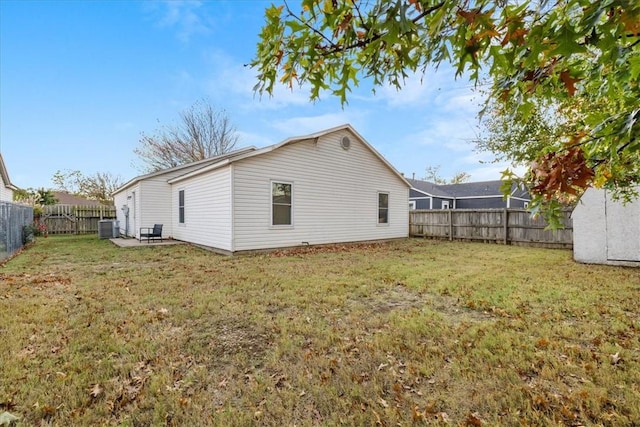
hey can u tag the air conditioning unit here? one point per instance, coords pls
(108, 229)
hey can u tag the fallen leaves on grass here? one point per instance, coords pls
(615, 358)
(129, 389)
(7, 418)
(96, 391)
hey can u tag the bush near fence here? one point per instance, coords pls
(506, 226)
(13, 220)
(71, 219)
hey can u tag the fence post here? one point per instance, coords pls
(450, 225)
(506, 226)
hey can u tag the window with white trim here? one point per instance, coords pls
(383, 208)
(281, 203)
(445, 204)
(181, 206)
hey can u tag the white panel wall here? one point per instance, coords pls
(155, 199)
(6, 194)
(606, 231)
(335, 195)
(207, 209)
(130, 198)
(149, 202)
(623, 230)
(590, 228)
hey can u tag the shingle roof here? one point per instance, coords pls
(428, 188)
(65, 198)
(470, 189)
(202, 163)
(466, 189)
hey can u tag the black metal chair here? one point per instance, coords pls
(151, 233)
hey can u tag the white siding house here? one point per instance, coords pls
(6, 188)
(147, 199)
(606, 231)
(328, 187)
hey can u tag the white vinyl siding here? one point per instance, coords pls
(6, 194)
(130, 198)
(333, 191)
(207, 209)
(155, 205)
(153, 202)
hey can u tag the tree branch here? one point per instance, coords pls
(292, 15)
(335, 48)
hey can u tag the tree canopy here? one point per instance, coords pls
(202, 132)
(99, 186)
(35, 196)
(581, 57)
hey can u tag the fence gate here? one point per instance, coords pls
(70, 219)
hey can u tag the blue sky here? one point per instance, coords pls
(80, 81)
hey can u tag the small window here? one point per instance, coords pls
(445, 204)
(383, 208)
(281, 203)
(412, 205)
(526, 205)
(181, 206)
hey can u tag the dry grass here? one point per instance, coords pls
(403, 333)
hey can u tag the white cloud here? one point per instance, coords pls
(461, 101)
(247, 139)
(434, 87)
(183, 16)
(230, 78)
(303, 125)
(449, 133)
(416, 90)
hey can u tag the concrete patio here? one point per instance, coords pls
(135, 243)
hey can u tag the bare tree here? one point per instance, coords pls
(202, 132)
(93, 187)
(432, 174)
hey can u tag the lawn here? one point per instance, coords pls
(405, 333)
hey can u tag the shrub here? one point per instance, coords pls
(31, 231)
(28, 233)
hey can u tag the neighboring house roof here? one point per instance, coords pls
(64, 198)
(467, 189)
(314, 136)
(428, 188)
(5, 175)
(201, 163)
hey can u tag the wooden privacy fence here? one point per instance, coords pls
(506, 226)
(69, 219)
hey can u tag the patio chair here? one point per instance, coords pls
(150, 233)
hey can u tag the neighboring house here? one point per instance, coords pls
(65, 198)
(6, 187)
(327, 187)
(468, 195)
(606, 231)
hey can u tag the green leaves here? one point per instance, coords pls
(579, 56)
